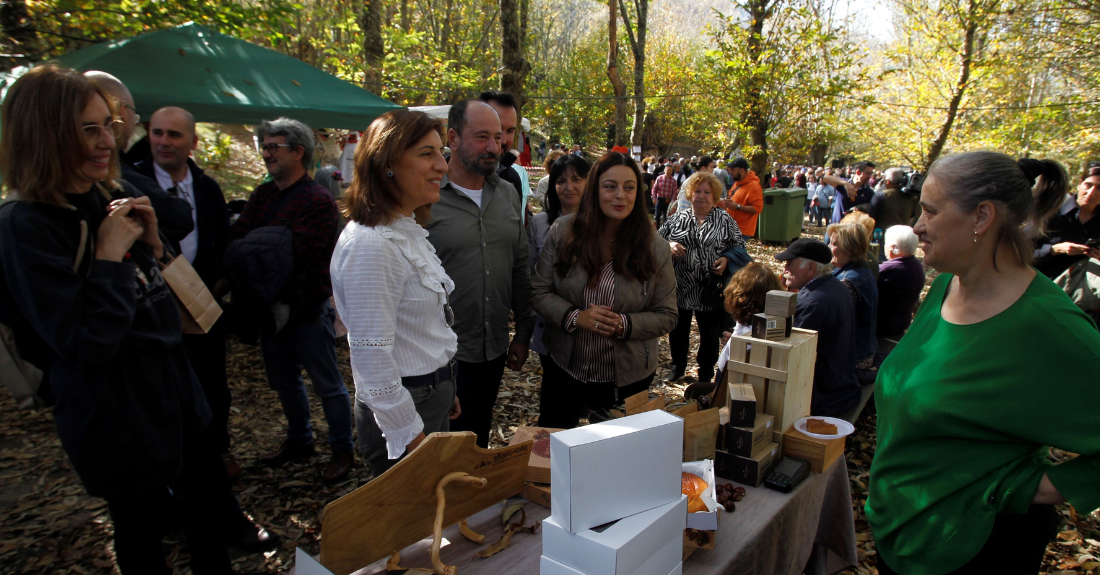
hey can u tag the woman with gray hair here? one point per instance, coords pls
(900, 281)
(997, 367)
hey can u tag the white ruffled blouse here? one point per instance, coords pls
(390, 289)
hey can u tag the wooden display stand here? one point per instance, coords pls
(780, 372)
(398, 508)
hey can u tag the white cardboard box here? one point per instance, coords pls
(610, 470)
(648, 543)
(548, 566)
(704, 520)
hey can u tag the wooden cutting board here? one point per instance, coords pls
(398, 509)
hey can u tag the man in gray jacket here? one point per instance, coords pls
(477, 231)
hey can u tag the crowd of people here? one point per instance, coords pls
(443, 279)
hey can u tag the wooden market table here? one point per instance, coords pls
(770, 533)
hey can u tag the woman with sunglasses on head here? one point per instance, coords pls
(605, 284)
(391, 290)
(83, 293)
(563, 197)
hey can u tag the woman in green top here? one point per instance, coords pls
(997, 365)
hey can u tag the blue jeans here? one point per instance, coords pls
(310, 344)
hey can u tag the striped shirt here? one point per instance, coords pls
(664, 187)
(593, 357)
(704, 244)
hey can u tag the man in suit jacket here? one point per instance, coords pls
(172, 138)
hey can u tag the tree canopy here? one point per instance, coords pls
(787, 80)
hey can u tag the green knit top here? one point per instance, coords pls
(965, 413)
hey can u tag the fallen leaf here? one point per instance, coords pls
(230, 94)
(497, 547)
(509, 511)
(182, 53)
(296, 83)
(295, 483)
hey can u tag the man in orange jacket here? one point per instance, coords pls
(745, 199)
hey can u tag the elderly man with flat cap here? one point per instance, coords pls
(825, 306)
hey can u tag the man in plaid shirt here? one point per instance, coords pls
(664, 188)
(308, 340)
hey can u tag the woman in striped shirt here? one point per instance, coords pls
(606, 287)
(699, 239)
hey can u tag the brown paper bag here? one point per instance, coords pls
(198, 309)
(700, 431)
(640, 403)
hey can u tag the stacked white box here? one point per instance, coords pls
(606, 471)
(647, 543)
(548, 566)
(616, 505)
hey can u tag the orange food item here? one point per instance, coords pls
(821, 427)
(693, 486)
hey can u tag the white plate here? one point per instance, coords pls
(843, 428)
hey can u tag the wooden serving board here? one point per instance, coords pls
(398, 509)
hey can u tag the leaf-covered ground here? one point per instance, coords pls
(51, 526)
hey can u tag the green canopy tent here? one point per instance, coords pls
(221, 79)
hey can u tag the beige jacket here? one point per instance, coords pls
(650, 307)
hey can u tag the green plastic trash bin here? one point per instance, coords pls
(781, 218)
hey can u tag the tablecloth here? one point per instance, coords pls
(770, 533)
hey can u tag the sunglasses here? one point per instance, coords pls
(272, 148)
(448, 312)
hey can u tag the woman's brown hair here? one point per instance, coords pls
(747, 290)
(373, 197)
(42, 145)
(632, 252)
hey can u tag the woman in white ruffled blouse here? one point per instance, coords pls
(391, 290)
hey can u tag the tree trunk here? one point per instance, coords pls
(756, 114)
(637, 46)
(17, 26)
(374, 50)
(445, 37)
(515, 66)
(817, 153)
(405, 16)
(967, 59)
(652, 135)
(617, 85)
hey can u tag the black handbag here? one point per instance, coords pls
(713, 289)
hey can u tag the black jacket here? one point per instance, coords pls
(1066, 228)
(127, 401)
(173, 214)
(213, 221)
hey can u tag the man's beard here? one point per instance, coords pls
(473, 162)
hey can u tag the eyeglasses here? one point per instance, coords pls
(137, 116)
(92, 132)
(272, 148)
